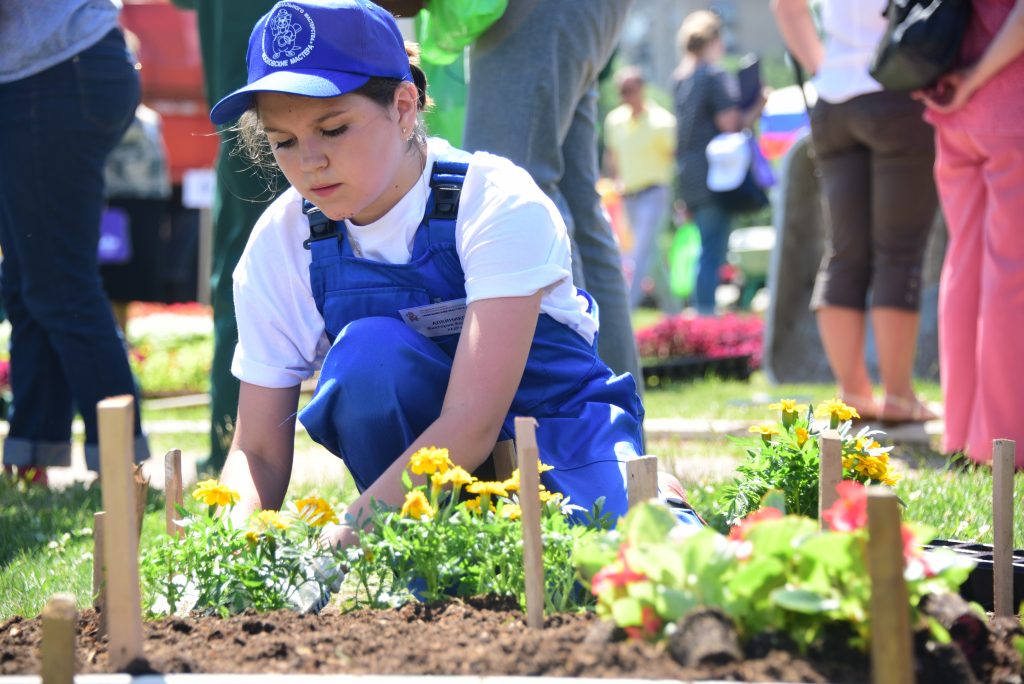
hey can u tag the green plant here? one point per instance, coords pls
(223, 568)
(772, 572)
(786, 456)
(442, 544)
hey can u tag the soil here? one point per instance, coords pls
(475, 637)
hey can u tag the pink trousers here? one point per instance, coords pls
(981, 301)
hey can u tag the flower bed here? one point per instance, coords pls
(686, 347)
(478, 637)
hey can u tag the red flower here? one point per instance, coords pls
(739, 532)
(650, 625)
(850, 512)
(615, 575)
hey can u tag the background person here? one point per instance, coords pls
(532, 98)
(978, 114)
(240, 196)
(705, 105)
(68, 90)
(876, 155)
(640, 148)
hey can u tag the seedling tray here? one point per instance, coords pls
(978, 586)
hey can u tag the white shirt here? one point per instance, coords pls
(852, 31)
(510, 239)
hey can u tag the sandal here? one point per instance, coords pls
(907, 411)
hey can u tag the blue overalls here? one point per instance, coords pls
(383, 383)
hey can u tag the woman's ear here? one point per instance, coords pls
(407, 106)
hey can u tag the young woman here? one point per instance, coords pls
(431, 288)
(978, 114)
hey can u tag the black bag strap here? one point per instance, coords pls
(320, 227)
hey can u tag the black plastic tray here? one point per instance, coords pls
(697, 367)
(978, 586)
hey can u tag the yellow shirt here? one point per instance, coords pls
(644, 147)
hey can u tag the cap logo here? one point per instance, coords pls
(288, 36)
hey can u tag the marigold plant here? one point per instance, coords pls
(456, 535)
(786, 458)
(224, 568)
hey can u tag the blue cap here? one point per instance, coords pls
(322, 48)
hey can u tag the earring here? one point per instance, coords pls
(404, 130)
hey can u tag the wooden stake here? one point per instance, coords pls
(1003, 463)
(641, 479)
(99, 575)
(891, 655)
(123, 607)
(141, 483)
(504, 457)
(173, 491)
(58, 649)
(529, 501)
(830, 473)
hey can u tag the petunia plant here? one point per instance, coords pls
(455, 535)
(785, 456)
(223, 567)
(771, 572)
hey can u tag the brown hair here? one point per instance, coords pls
(251, 140)
(699, 29)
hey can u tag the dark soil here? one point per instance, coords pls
(477, 637)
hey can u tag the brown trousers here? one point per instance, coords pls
(876, 154)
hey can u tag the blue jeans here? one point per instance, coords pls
(714, 224)
(56, 129)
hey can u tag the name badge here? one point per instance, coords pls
(435, 320)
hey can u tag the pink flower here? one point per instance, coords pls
(850, 512)
(739, 532)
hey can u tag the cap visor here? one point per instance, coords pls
(308, 84)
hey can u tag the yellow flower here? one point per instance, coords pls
(213, 493)
(512, 483)
(429, 460)
(316, 511)
(546, 496)
(252, 537)
(891, 479)
(835, 408)
(511, 511)
(456, 476)
(416, 506)
(801, 436)
(766, 430)
(788, 406)
(264, 520)
(473, 505)
(544, 467)
(489, 488)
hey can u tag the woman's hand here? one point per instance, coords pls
(951, 92)
(339, 537)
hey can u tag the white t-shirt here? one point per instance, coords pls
(852, 31)
(510, 239)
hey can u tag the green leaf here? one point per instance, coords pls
(648, 522)
(406, 480)
(939, 633)
(672, 604)
(774, 498)
(627, 611)
(802, 601)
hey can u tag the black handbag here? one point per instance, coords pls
(920, 43)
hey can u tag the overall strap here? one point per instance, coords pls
(446, 179)
(323, 240)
